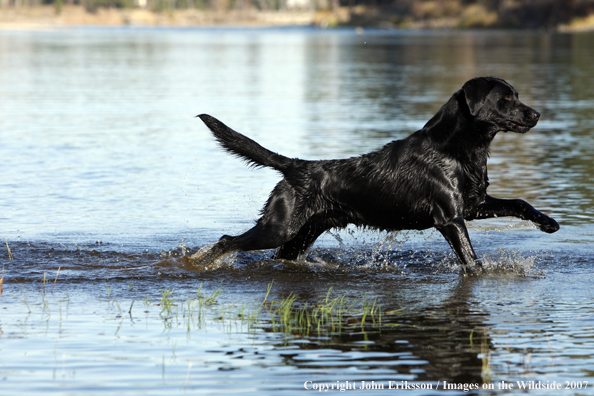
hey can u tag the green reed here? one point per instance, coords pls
(10, 256)
(329, 315)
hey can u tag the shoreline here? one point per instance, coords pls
(48, 17)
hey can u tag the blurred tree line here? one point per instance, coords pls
(472, 13)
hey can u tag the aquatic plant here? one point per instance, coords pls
(331, 315)
(25, 300)
(75, 244)
(212, 298)
(166, 301)
(328, 316)
(486, 360)
(58, 273)
(10, 256)
(115, 301)
(108, 290)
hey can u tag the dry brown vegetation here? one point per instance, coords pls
(541, 14)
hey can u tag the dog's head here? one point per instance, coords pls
(496, 102)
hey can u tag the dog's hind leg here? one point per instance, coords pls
(307, 235)
(281, 221)
(260, 237)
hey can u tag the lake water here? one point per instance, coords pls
(108, 182)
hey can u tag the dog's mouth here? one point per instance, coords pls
(517, 127)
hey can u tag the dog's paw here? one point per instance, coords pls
(549, 226)
(476, 269)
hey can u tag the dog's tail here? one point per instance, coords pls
(244, 147)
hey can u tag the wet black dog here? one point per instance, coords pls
(436, 177)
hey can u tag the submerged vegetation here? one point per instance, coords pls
(10, 256)
(330, 315)
(331, 318)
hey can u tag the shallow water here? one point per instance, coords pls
(109, 183)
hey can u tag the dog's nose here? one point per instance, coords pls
(535, 115)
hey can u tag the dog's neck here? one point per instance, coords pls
(463, 135)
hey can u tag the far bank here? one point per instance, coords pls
(448, 14)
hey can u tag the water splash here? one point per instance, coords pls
(510, 263)
(394, 252)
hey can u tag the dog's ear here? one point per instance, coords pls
(476, 91)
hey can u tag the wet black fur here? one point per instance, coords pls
(436, 177)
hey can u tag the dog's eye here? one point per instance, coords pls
(507, 98)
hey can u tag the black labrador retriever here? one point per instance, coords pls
(436, 177)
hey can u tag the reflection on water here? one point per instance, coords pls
(108, 182)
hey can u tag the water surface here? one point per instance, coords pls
(109, 181)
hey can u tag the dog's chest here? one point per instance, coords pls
(475, 187)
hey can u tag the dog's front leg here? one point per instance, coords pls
(495, 207)
(456, 234)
